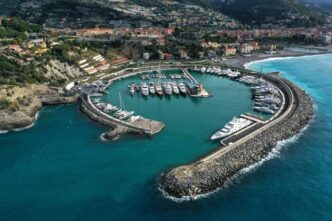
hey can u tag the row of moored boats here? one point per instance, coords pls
(114, 111)
(159, 88)
(266, 96)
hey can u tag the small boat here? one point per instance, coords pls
(110, 108)
(132, 90)
(264, 110)
(122, 114)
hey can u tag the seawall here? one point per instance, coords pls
(204, 176)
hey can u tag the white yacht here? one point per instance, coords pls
(168, 89)
(145, 89)
(110, 108)
(123, 114)
(152, 89)
(232, 127)
(182, 88)
(132, 90)
(175, 88)
(159, 89)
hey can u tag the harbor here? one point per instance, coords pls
(267, 99)
(243, 148)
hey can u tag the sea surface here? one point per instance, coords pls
(60, 169)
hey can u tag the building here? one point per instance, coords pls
(212, 54)
(246, 48)
(327, 39)
(183, 54)
(229, 51)
(214, 44)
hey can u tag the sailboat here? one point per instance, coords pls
(122, 113)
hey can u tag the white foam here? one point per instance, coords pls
(23, 128)
(275, 152)
(246, 65)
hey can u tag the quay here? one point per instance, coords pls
(141, 126)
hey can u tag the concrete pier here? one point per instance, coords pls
(141, 126)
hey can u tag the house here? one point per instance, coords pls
(16, 48)
(214, 44)
(246, 48)
(183, 54)
(168, 56)
(229, 51)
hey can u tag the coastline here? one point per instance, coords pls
(28, 102)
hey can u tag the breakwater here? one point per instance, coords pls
(118, 127)
(213, 171)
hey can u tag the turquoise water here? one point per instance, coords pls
(60, 170)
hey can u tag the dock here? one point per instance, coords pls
(140, 126)
(195, 88)
(150, 127)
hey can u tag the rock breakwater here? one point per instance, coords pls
(202, 177)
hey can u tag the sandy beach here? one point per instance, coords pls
(240, 61)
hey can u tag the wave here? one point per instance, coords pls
(274, 153)
(4, 131)
(247, 65)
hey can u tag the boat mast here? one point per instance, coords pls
(122, 106)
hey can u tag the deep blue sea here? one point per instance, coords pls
(61, 170)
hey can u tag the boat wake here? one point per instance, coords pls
(275, 153)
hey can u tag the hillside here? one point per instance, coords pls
(257, 12)
(87, 13)
(325, 5)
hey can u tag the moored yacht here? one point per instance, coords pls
(152, 89)
(182, 88)
(168, 89)
(175, 88)
(232, 127)
(159, 89)
(145, 89)
(123, 114)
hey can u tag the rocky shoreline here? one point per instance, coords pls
(204, 177)
(27, 102)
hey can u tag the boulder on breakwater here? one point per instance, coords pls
(202, 177)
(116, 133)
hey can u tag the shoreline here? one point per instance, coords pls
(26, 116)
(243, 62)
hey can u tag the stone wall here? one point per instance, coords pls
(200, 178)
